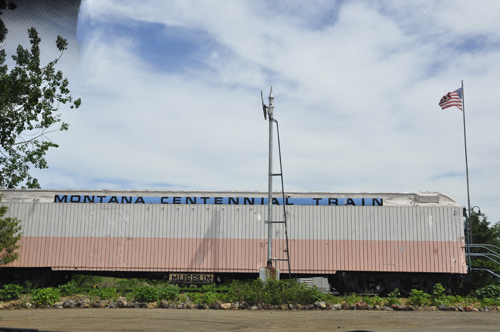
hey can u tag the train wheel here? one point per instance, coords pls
(405, 285)
(3, 280)
(367, 285)
(430, 283)
(391, 283)
(39, 280)
(350, 284)
(339, 286)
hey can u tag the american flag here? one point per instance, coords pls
(452, 99)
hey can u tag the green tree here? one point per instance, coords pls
(30, 95)
(10, 233)
(3, 6)
(483, 233)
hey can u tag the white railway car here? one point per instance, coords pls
(360, 241)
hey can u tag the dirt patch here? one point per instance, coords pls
(243, 320)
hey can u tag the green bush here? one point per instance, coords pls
(208, 288)
(11, 292)
(489, 302)
(68, 289)
(254, 292)
(104, 293)
(210, 298)
(237, 291)
(331, 299)
(196, 298)
(394, 297)
(129, 296)
(131, 283)
(299, 293)
(419, 298)
(170, 293)
(491, 291)
(78, 279)
(28, 286)
(273, 292)
(147, 294)
(373, 300)
(468, 301)
(438, 296)
(46, 295)
(250, 292)
(455, 300)
(352, 298)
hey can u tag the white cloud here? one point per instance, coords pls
(356, 89)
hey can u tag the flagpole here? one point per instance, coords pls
(467, 175)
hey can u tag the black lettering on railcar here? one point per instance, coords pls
(333, 201)
(126, 199)
(191, 278)
(63, 199)
(219, 200)
(250, 201)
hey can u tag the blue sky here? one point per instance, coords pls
(171, 96)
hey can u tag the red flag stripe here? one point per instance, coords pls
(451, 99)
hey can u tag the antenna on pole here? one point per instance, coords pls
(270, 272)
(270, 113)
(264, 107)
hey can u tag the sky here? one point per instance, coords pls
(171, 95)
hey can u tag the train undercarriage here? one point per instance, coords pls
(383, 283)
(344, 282)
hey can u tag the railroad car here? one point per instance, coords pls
(361, 242)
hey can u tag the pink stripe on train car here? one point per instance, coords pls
(238, 255)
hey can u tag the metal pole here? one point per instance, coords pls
(270, 184)
(467, 171)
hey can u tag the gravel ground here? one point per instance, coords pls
(245, 320)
